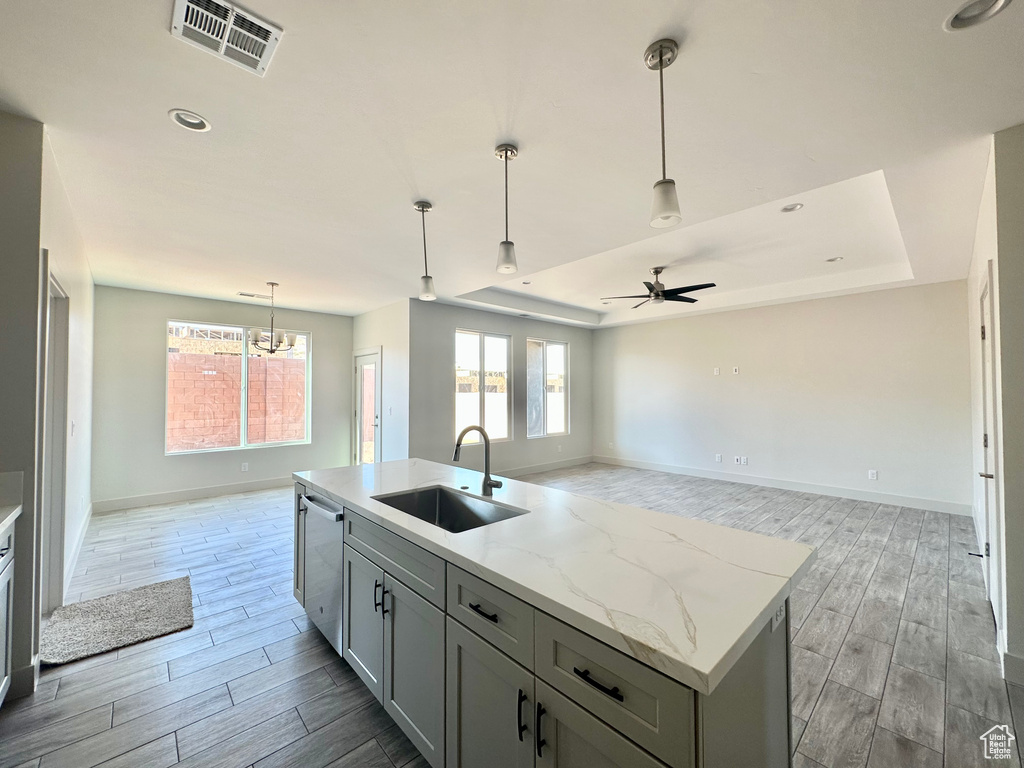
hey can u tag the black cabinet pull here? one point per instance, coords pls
(585, 676)
(519, 714)
(540, 742)
(383, 609)
(377, 585)
(489, 616)
(4, 551)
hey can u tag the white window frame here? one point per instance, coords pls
(470, 439)
(243, 445)
(544, 379)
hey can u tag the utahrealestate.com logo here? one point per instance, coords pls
(998, 744)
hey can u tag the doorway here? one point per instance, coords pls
(993, 535)
(54, 453)
(368, 403)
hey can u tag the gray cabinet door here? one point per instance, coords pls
(363, 625)
(567, 736)
(490, 705)
(6, 605)
(414, 668)
(298, 562)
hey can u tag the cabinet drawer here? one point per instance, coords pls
(6, 545)
(504, 621)
(419, 570)
(648, 707)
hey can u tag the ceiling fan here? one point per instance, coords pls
(657, 293)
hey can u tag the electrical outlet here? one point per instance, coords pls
(389, 411)
(872, 474)
(735, 459)
(559, 447)
(736, 369)
(717, 371)
(718, 458)
(72, 427)
(779, 617)
(743, 460)
(610, 444)
(245, 466)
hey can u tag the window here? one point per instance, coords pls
(223, 394)
(547, 388)
(482, 384)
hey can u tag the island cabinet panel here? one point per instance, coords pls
(418, 569)
(6, 607)
(298, 563)
(414, 668)
(501, 619)
(653, 710)
(363, 623)
(567, 736)
(490, 705)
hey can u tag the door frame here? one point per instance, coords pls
(993, 538)
(377, 352)
(54, 448)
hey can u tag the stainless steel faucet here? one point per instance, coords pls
(489, 484)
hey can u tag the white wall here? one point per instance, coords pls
(388, 328)
(59, 234)
(826, 390)
(432, 380)
(129, 387)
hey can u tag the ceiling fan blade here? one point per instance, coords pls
(687, 299)
(641, 303)
(687, 289)
(638, 296)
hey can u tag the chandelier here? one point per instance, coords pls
(279, 340)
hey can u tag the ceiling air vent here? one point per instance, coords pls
(226, 31)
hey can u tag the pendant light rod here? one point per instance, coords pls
(423, 206)
(661, 93)
(506, 195)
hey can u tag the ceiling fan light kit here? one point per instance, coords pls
(665, 206)
(426, 282)
(506, 248)
(658, 294)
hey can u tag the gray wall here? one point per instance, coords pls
(827, 390)
(432, 385)
(388, 329)
(129, 465)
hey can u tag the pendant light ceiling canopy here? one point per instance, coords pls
(506, 249)
(426, 282)
(665, 207)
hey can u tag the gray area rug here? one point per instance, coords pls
(114, 621)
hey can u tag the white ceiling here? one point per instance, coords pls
(309, 174)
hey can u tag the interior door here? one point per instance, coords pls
(990, 471)
(363, 626)
(368, 405)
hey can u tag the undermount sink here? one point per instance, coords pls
(448, 509)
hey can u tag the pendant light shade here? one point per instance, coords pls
(427, 288)
(507, 257)
(426, 282)
(665, 208)
(506, 248)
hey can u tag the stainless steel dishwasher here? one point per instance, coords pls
(324, 560)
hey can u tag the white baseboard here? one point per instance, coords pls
(520, 471)
(72, 562)
(935, 505)
(188, 494)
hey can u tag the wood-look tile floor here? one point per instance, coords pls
(893, 656)
(893, 652)
(252, 683)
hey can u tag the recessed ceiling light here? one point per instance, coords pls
(522, 315)
(792, 207)
(974, 13)
(527, 282)
(834, 259)
(189, 120)
(606, 302)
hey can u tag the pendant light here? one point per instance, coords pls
(665, 208)
(506, 249)
(426, 282)
(279, 340)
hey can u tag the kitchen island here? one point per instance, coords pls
(672, 631)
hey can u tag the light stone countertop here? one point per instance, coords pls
(8, 514)
(683, 596)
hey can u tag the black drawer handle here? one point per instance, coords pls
(5, 550)
(376, 605)
(489, 616)
(540, 742)
(585, 676)
(383, 610)
(519, 714)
